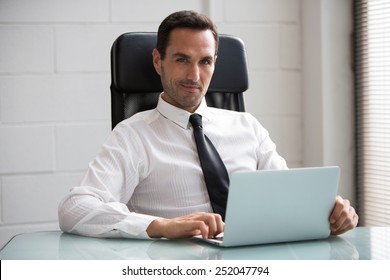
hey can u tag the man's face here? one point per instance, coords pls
(187, 68)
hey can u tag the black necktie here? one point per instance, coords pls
(214, 170)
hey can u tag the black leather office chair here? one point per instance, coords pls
(135, 85)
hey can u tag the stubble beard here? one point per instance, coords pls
(175, 93)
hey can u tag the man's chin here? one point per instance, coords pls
(191, 105)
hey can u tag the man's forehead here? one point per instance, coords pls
(186, 40)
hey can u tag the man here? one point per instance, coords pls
(147, 181)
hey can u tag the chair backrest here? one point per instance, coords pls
(135, 85)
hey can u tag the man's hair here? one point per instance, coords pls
(183, 19)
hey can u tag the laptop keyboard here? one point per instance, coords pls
(219, 238)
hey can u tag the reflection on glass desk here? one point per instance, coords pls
(360, 243)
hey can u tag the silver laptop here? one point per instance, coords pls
(279, 206)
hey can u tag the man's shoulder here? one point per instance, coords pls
(136, 123)
(224, 113)
(228, 118)
(143, 117)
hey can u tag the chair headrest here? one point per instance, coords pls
(132, 67)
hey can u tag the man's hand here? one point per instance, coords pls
(205, 224)
(343, 217)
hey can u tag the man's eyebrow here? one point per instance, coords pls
(179, 54)
(209, 57)
(183, 55)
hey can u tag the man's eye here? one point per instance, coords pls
(182, 59)
(206, 62)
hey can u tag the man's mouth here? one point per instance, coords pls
(191, 87)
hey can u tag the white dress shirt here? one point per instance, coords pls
(149, 168)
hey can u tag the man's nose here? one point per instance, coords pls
(193, 73)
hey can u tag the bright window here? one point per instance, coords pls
(372, 69)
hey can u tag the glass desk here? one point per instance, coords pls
(360, 243)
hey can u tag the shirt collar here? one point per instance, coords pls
(179, 116)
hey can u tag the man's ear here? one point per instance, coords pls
(156, 60)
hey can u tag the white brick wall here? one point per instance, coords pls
(35, 55)
(55, 77)
(271, 32)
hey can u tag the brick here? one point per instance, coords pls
(83, 48)
(54, 98)
(292, 131)
(290, 55)
(262, 10)
(35, 198)
(263, 48)
(150, 10)
(26, 49)
(87, 48)
(27, 11)
(26, 149)
(274, 93)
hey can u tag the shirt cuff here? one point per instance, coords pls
(135, 226)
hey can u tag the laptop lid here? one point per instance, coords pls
(272, 206)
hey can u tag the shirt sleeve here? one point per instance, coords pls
(98, 206)
(81, 213)
(267, 154)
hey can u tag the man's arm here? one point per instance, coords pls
(98, 206)
(83, 212)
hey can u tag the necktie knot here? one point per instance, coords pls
(196, 120)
